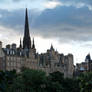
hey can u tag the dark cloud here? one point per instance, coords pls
(66, 15)
(12, 18)
(65, 23)
(16, 18)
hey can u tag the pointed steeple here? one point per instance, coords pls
(26, 24)
(20, 44)
(51, 48)
(33, 46)
(26, 39)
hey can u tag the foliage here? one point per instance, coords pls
(86, 82)
(6, 80)
(29, 80)
(32, 80)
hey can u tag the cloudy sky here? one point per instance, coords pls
(67, 24)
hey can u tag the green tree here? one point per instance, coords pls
(54, 82)
(71, 85)
(86, 82)
(57, 83)
(6, 80)
(31, 80)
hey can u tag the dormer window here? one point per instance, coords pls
(13, 52)
(7, 52)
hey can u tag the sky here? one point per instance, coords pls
(67, 24)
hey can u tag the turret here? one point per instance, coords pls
(20, 44)
(52, 47)
(88, 58)
(33, 46)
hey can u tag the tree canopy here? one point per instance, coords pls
(29, 80)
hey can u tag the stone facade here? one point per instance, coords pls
(12, 57)
(85, 66)
(49, 62)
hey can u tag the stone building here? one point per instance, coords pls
(84, 66)
(12, 57)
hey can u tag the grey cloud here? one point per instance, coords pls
(15, 19)
(65, 15)
(67, 34)
(65, 23)
(12, 19)
(78, 3)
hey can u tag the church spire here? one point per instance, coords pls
(20, 44)
(33, 46)
(26, 39)
(26, 24)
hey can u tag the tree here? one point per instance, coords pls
(31, 80)
(86, 82)
(57, 83)
(6, 80)
(71, 85)
(54, 82)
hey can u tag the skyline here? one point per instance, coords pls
(54, 23)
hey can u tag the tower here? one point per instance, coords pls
(88, 58)
(26, 39)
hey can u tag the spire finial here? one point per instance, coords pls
(33, 46)
(20, 44)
